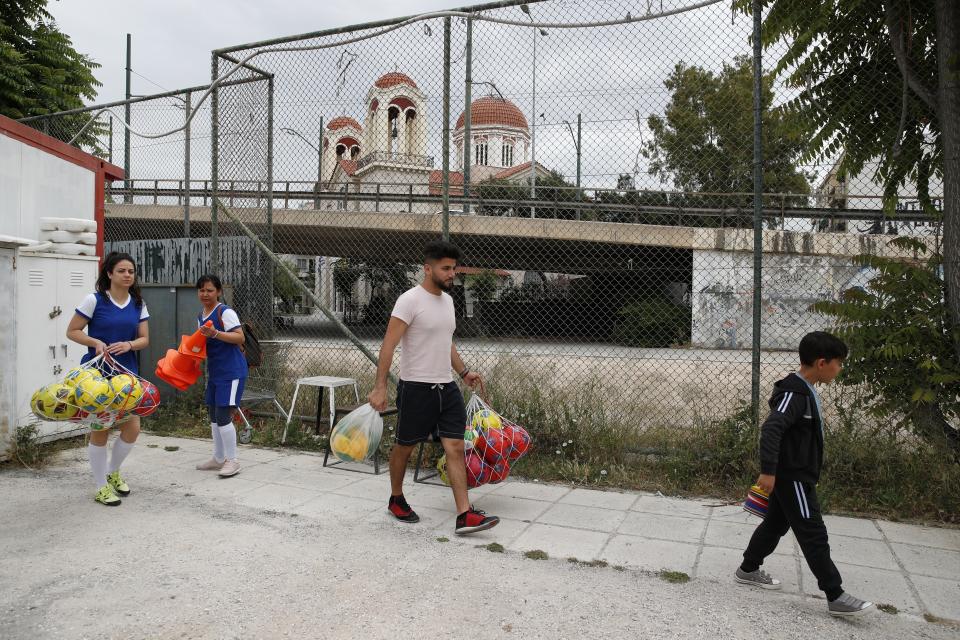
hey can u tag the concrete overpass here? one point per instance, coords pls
(564, 246)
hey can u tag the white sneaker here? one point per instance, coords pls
(210, 465)
(229, 468)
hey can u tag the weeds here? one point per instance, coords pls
(674, 577)
(536, 554)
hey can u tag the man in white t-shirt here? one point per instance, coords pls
(428, 400)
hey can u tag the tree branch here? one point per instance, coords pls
(897, 40)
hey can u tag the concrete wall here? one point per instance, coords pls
(8, 363)
(722, 297)
(35, 184)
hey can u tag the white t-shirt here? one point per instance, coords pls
(89, 305)
(425, 347)
(230, 319)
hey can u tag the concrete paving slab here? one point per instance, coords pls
(340, 507)
(599, 499)
(376, 488)
(532, 491)
(940, 597)
(662, 527)
(866, 553)
(852, 527)
(940, 538)
(561, 542)
(736, 536)
(671, 506)
(649, 555)
(225, 487)
(576, 516)
(248, 452)
(876, 585)
(927, 561)
(719, 563)
(273, 497)
(316, 481)
(513, 508)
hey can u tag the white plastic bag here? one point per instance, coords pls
(356, 437)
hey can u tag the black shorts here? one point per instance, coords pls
(425, 408)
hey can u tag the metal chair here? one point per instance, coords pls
(262, 382)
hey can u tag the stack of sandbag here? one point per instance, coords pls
(70, 236)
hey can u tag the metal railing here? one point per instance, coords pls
(404, 159)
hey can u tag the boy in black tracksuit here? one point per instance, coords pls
(791, 456)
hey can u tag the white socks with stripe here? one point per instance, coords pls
(119, 453)
(228, 436)
(217, 442)
(98, 464)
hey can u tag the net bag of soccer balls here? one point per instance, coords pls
(98, 393)
(491, 444)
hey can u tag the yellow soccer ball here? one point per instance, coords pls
(486, 419)
(127, 392)
(94, 394)
(442, 470)
(78, 374)
(54, 402)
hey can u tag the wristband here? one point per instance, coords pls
(463, 374)
(130, 345)
(216, 336)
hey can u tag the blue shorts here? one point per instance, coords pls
(224, 393)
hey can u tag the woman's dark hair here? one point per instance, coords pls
(109, 263)
(212, 279)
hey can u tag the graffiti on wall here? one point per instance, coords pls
(722, 298)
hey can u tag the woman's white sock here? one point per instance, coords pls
(98, 464)
(119, 453)
(217, 442)
(229, 437)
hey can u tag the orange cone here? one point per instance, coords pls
(195, 345)
(180, 368)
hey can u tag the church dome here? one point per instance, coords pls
(394, 78)
(494, 111)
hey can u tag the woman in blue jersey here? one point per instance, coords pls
(226, 374)
(115, 318)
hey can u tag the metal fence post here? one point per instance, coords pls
(268, 294)
(446, 129)
(126, 132)
(186, 171)
(757, 208)
(467, 116)
(214, 151)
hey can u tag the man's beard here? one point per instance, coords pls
(443, 286)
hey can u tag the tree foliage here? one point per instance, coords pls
(901, 344)
(851, 96)
(703, 143)
(550, 189)
(40, 71)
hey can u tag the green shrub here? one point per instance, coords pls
(652, 323)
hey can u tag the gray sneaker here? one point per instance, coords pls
(758, 578)
(848, 606)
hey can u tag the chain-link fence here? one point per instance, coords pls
(600, 184)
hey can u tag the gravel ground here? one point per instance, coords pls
(170, 565)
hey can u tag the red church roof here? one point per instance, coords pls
(491, 110)
(394, 78)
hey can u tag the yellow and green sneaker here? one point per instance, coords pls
(116, 483)
(106, 496)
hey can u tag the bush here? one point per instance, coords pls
(652, 323)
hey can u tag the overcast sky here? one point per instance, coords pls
(608, 75)
(172, 39)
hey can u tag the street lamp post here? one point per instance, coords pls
(319, 149)
(576, 143)
(533, 115)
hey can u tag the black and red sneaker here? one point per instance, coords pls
(473, 521)
(401, 510)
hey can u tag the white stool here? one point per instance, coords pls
(321, 382)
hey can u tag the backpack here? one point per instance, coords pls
(251, 350)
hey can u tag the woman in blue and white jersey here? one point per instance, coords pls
(226, 374)
(115, 319)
